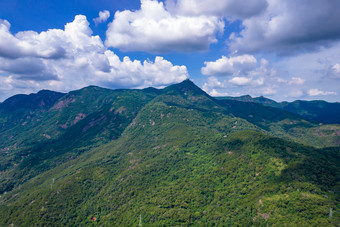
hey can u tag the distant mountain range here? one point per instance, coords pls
(316, 110)
(168, 157)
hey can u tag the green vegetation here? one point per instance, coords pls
(284, 124)
(317, 111)
(174, 156)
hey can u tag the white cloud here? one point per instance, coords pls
(316, 92)
(336, 68)
(235, 9)
(22, 66)
(263, 70)
(215, 93)
(267, 91)
(212, 82)
(240, 80)
(102, 18)
(308, 31)
(334, 71)
(252, 86)
(290, 26)
(129, 73)
(28, 43)
(154, 29)
(230, 65)
(315, 68)
(245, 70)
(85, 61)
(259, 81)
(73, 57)
(52, 44)
(296, 81)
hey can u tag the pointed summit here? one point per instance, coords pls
(187, 88)
(266, 101)
(188, 95)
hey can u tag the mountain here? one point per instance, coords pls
(174, 156)
(248, 98)
(316, 111)
(20, 107)
(319, 111)
(284, 124)
(77, 121)
(43, 100)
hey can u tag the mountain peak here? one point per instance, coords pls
(43, 99)
(188, 83)
(186, 87)
(188, 95)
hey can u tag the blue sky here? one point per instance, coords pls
(284, 50)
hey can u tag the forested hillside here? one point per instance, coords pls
(317, 111)
(172, 157)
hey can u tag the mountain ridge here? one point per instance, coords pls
(315, 110)
(175, 155)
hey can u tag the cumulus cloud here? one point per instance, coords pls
(256, 87)
(230, 73)
(102, 18)
(129, 73)
(85, 61)
(24, 66)
(243, 70)
(28, 43)
(37, 56)
(215, 93)
(229, 65)
(240, 80)
(213, 83)
(154, 29)
(317, 92)
(235, 9)
(289, 26)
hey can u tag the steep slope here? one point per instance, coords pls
(180, 162)
(274, 121)
(17, 109)
(60, 127)
(79, 121)
(42, 100)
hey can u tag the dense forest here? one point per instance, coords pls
(164, 157)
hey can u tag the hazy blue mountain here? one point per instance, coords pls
(317, 110)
